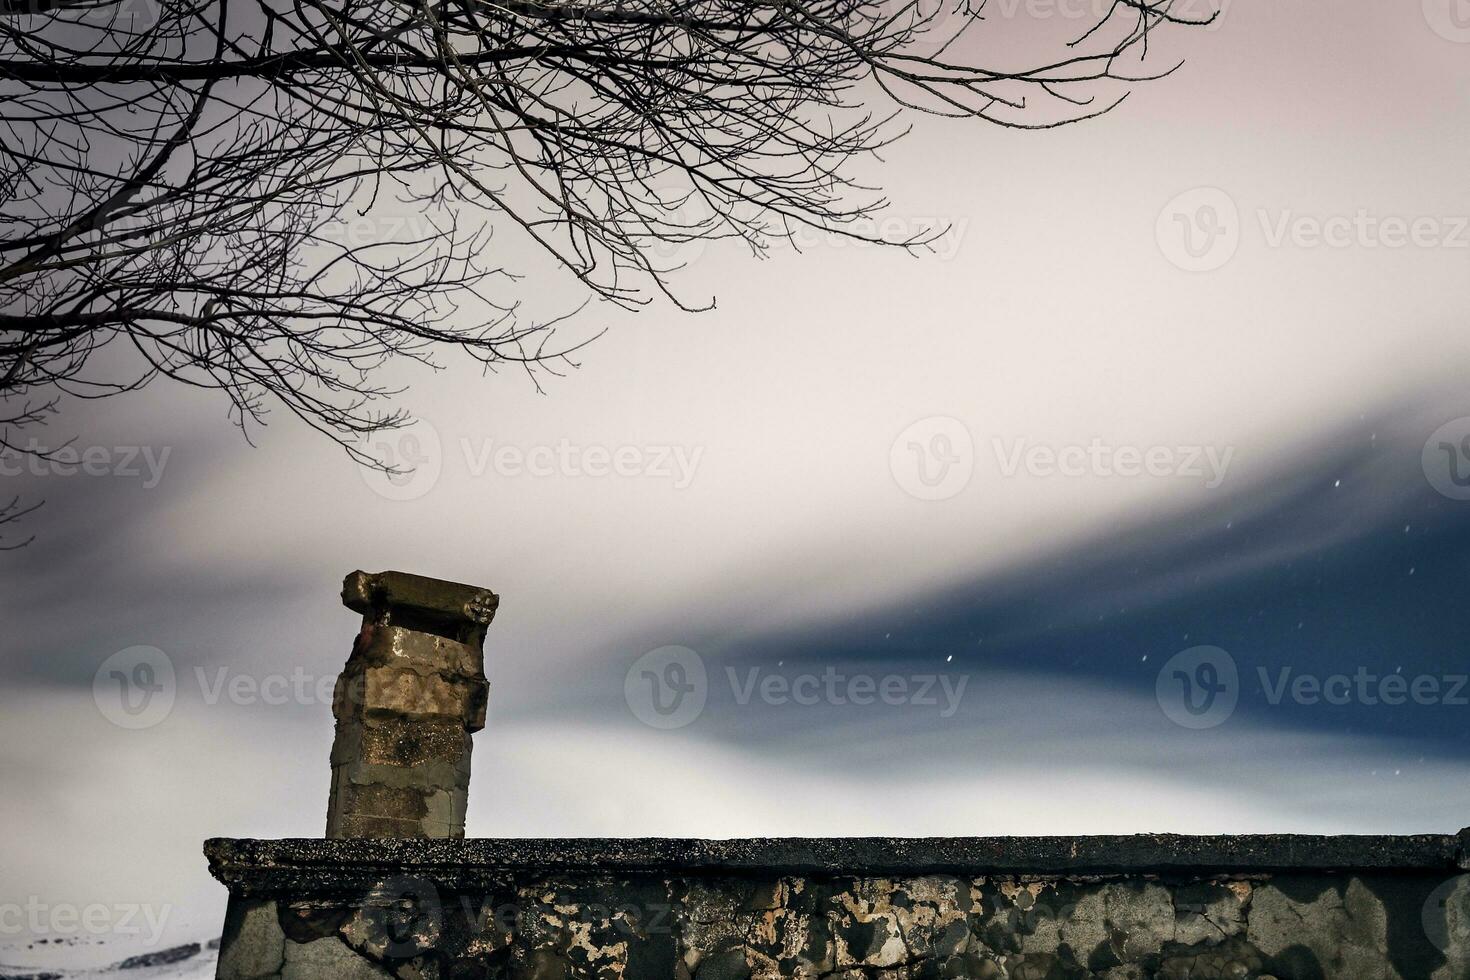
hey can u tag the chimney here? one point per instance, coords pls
(412, 693)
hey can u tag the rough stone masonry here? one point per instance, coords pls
(410, 697)
(387, 906)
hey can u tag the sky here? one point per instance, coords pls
(1118, 513)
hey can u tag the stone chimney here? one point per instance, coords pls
(411, 695)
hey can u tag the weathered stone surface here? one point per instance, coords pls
(1208, 912)
(255, 863)
(328, 959)
(1231, 959)
(1446, 920)
(1339, 927)
(375, 799)
(401, 919)
(253, 945)
(401, 744)
(357, 825)
(427, 778)
(444, 813)
(412, 693)
(546, 910)
(398, 594)
(397, 646)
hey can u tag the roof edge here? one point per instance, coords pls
(308, 866)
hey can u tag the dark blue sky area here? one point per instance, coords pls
(1345, 558)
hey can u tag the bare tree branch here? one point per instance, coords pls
(175, 174)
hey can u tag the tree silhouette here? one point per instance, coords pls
(174, 174)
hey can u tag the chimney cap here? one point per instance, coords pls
(419, 596)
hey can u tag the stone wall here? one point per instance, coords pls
(1123, 908)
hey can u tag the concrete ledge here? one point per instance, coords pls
(302, 866)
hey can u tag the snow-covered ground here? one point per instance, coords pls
(194, 961)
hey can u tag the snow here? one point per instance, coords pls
(197, 966)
